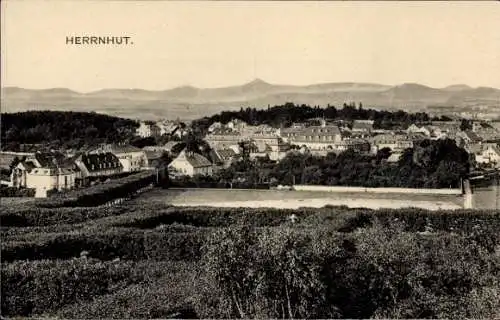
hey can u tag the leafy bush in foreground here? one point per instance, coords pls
(376, 272)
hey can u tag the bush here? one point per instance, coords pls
(41, 286)
(16, 192)
(33, 216)
(167, 296)
(375, 272)
(108, 244)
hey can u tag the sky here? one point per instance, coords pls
(217, 44)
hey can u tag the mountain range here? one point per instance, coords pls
(189, 102)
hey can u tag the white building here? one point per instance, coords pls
(190, 164)
(44, 172)
(148, 129)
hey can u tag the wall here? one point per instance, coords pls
(377, 190)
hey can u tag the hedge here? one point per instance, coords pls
(37, 287)
(107, 245)
(101, 193)
(33, 216)
(16, 192)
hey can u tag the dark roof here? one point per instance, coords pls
(29, 165)
(117, 149)
(197, 160)
(150, 155)
(472, 136)
(222, 155)
(320, 131)
(92, 161)
(51, 159)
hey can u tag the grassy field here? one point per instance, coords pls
(262, 198)
(147, 259)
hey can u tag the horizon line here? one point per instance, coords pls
(255, 80)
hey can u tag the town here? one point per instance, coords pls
(206, 149)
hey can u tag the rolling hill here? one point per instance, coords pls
(188, 102)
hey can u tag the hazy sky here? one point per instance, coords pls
(213, 44)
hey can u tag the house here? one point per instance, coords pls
(214, 126)
(155, 159)
(396, 143)
(492, 155)
(148, 129)
(97, 165)
(271, 145)
(469, 137)
(427, 130)
(450, 129)
(358, 145)
(44, 172)
(132, 159)
(169, 128)
(190, 164)
(223, 158)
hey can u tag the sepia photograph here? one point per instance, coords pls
(250, 159)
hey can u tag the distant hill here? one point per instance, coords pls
(188, 102)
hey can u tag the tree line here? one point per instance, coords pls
(287, 114)
(58, 129)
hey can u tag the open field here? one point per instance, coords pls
(297, 199)
(147, 259)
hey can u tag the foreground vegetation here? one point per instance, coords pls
(137, 261)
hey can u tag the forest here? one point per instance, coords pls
(59, 129)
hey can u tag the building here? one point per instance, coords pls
(224, 138)
(215, 126)
(315, 137)
(222, 158)
(469, 137)
(132, 159)
(491, 155)
(397, 143)
(44, 172)
(155, 159)
(190, 164)
(97, 165)
(148, 129)
(358, 145)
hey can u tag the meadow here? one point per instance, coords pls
(154, 260)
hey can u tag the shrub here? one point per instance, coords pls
(375, 272)
(36, 287)
(16, 192)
